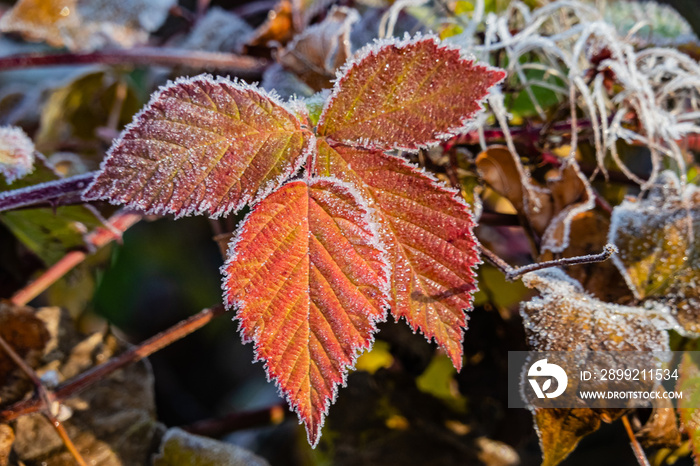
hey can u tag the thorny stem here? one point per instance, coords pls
(97, 373)
(144, 56)
(636, 447)
(46, 397)
(513, 273)
(221, 426)
(119, 222)
(54, 193)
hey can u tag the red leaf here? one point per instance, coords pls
(405, 95)
(309, 280)
(427, 229)
(202, 145)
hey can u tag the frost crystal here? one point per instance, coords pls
(16, 153)
(565, 318)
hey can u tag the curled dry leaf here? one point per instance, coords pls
(16, 153)
(316, 53)
(86, 24)
(689, 381)
(661, 430)
(202, 145)
(659, 248)
(548, 210)
(308, 277)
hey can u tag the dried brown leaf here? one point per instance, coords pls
(86, 24)
(661, 429)
(25, 333)
(277, 28)
(7, 437)
(658, 242)
(560, 430)
(565, 318)
(315, 54)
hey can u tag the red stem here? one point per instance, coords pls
(145, 56)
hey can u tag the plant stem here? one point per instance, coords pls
(636, 447)
(120, 222)
(97, 373)
(143, 56)
(50, 193)
(513, 273)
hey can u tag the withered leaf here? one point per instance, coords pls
(689, 381)
(86, 24)
(565, 318)
(315, 54)
(7, 437)
(25, 333)
(560, 430)
(661, 430)
(659, 249)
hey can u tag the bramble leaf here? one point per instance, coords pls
(308, 277)
(658, 242)
(405, 94)
(560, 430)
(202, 145)
(427, 230)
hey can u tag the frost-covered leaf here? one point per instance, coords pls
(202, 145)
(427, 230)
(565, 318)
(689, 381)
(86, 24)
(651, 21)
(218, 31)
(316, 53)
(179, 447)
(308, 277)
(658, 238)
(405, 94)
(560, 430)
(16, 153)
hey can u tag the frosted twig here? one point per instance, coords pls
(513, 273)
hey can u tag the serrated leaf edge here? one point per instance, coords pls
(467, 124)
(313, 438)
(205, 205)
